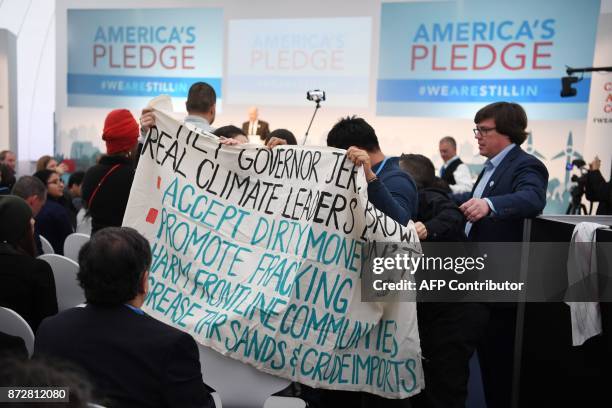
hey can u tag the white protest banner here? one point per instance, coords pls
(257, 253)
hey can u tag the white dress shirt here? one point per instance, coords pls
(463, 177)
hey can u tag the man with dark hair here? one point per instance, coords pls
(231, 132)
(511, 188)
(201, 109)
(9, 159)
(34, 192)
(454, 172)
(437, 218)
(390, 189)
(512, 185)
(73, 193)
(283, 134)
(132, 358)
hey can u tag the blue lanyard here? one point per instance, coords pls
(381, 166)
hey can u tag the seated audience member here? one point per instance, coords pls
(231, 135)
(597, 189)
(106, 186)
(46, 162)
(26, 283)
(7, 179)
(20, 373)
(284, 134)
(438, 218)
(54, 220)
(34, 192)
(8, 164)
(9, 159)
(72, 198)
(132, 358)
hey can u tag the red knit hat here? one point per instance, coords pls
(120, 131)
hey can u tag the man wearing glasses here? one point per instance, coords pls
(511, 188)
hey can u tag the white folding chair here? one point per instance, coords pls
(69, 293)
(46, 246)
(73, 244)
(13, 324)
(238, 384)
(83, 222)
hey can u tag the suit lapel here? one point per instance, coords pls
(477, 180)
(500, 170)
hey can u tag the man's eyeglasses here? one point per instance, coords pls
(482, 130)
(59, 181)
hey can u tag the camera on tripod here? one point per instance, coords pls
(578, 187)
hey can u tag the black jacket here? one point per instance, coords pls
(53, 222)
(440, 215)
(108, 205)
(132, 359)
(26, 286)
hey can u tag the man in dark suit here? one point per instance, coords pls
(132, 358)
(254, 126)
(511, 188)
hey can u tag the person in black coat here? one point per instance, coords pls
(106, 186)
(132, 359)
(449, 332)
(26, 283)
(53, 221)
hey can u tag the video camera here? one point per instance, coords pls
(578, 187)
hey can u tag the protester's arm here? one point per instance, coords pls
(463, 180)
(396, 197)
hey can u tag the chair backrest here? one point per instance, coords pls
(83, 222)
(238, 384)
(69, 293)
(46, 246)
(73, 244)
(13, 324)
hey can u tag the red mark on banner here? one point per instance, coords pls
(158, 182)
(152, 216)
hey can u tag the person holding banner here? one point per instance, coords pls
(390, 189)
(201, 108)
